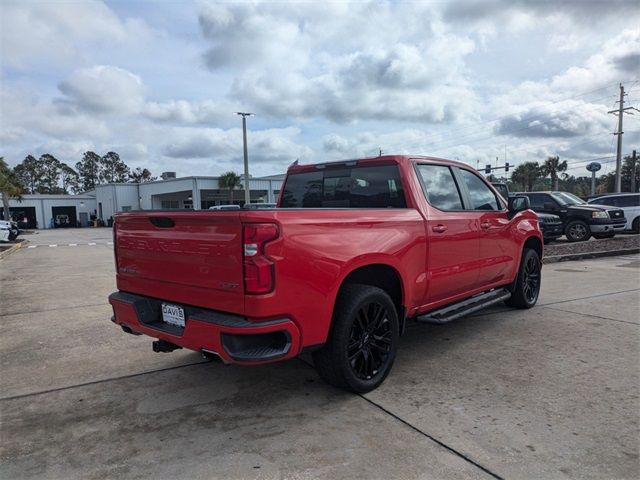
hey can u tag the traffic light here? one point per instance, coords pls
(487, 168)
(506, 166)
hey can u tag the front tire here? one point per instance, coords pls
(527, 288)
(363, 340)
(577, 231)
(635, 226)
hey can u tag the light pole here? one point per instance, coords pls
(244, 115)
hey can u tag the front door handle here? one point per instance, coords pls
(485, 225)
(439, 228)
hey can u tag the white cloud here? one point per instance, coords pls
(274, 146)
(104, 88)
(49, 33)
(206, 112)
(367, 60)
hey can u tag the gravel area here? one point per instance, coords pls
(619, 242)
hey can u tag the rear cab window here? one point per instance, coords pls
(341, 186)
(440, 187)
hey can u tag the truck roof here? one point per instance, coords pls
(399, 159)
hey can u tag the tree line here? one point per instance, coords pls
(531, 176)
(47, 174)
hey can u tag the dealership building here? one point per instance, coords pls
(198, 193)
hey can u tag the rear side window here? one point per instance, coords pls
(610, 202)
(482, 198)
(629, 201)
(621, 201)
(345, 187)
(441, 189)
(537, 200)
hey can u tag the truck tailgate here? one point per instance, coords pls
(190, 257)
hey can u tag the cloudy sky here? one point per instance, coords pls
(158, 82)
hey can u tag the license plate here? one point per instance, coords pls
(173, 314)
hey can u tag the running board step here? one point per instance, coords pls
(465, 307)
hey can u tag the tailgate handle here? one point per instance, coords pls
(162, 222)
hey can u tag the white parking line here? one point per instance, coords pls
(92, 243)
(109, 243)
(54, 245)
(73, 244)
(32, 246)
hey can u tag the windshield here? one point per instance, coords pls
(565, 198)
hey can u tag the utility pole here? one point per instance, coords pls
(247, 196)
(620, 112)
(379, 151)
(633, 172)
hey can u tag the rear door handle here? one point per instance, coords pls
(485, 225)
(439, 228)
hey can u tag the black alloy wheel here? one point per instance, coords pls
(531, 279)
(370, 340)
(525, 291)
(362, 341)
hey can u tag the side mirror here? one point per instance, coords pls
(518, 204)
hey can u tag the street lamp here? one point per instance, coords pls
(244, 115)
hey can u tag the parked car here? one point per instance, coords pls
(579, 220)
(354, 250)
(225, 207)
(551, 225)
(9, 231)
(628, 202)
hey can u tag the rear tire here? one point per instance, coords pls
(635, 226)
(577, 231)
(363, 340)
(527, 288)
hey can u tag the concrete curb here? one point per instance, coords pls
(9, 251)
(588, 255)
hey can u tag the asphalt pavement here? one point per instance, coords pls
(551, 392)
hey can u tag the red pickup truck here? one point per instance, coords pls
(354, 250)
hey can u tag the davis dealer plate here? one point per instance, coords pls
(173, 314)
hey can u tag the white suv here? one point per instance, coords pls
(629, 202)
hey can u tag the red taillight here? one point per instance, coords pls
(259, 275)
(115, 246)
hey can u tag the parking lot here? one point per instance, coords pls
(551, 392)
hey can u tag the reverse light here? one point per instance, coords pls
(599, 214)
(259, 272)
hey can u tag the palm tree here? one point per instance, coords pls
(230, 181)
(552, 167)
(10, 187)
(526, 175)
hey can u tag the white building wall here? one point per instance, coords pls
(44, 203)
(114, 196)
(148, 190)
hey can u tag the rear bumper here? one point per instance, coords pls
(234, 338)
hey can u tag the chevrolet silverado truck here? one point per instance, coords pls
(353, 251)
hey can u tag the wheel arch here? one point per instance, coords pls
(573, 218)
(533, 243)
(383, 276)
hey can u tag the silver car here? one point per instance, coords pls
(629, 202)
